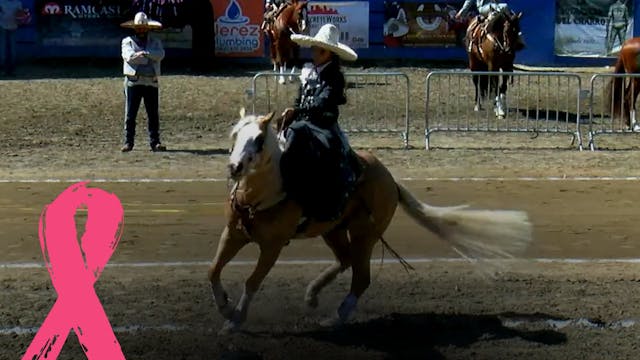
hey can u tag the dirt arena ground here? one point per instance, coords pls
(572, 297)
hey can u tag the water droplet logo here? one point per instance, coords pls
(233, 14)
(236, 33)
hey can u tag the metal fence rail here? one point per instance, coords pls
(377, 102)
(602, 106)
(536, 102)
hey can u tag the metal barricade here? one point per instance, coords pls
(537, 102)
(603, 89)
(377, 102)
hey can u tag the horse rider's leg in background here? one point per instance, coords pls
(491, 15)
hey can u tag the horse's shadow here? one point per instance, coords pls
(203, 152)
(552, 115)
(418, 335)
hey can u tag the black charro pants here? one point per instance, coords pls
(134, 95)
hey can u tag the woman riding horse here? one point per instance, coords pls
(317, 162)
(490, 11)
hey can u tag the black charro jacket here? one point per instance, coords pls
(318, 99)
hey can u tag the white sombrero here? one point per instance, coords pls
(141, 21)
(327, 38)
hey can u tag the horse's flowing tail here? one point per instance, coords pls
(615, 89)
(476, 234)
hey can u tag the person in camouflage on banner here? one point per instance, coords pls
(617, 24)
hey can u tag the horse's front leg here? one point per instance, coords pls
(269, 253)
(476, 82)
(293, 71)
(501, 99)
(283, 69)
(338, 242)
(228, 246)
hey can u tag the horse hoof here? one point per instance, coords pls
(477, 108)
(311, 301)
(229, 327)
(331, 322)
(226, 311)
(282, 81)
(500, 117)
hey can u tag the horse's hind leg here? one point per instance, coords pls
(283, 69)
(338, 241)
(293, 71)
(634, 95)
(363, 235)
(295, 56)
(269, 253)
(361, 249)
(228, 246)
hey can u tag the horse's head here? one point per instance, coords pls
(298, 17)
(254, 142)
(511, 30)
(303, 16)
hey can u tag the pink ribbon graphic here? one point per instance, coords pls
(74, 269)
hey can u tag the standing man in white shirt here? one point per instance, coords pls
(142, 55)
(9, 12)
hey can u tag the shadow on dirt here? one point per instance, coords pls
(204, 152)
(418, 335)
(553, 115)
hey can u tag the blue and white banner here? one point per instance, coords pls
(592, 28)
(351, 18)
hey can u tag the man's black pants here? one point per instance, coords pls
(134, 95)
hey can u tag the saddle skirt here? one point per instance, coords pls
(480, 28)
(476, 32)
(319, 169)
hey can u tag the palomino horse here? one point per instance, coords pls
(258, 211)
(627, 63)
(492, 51)
(291, 20)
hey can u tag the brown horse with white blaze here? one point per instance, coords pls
(259, 211)
(293, 19)
(493, 50)
(625, 105)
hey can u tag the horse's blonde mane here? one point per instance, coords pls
(242, 123)
(271, 137)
